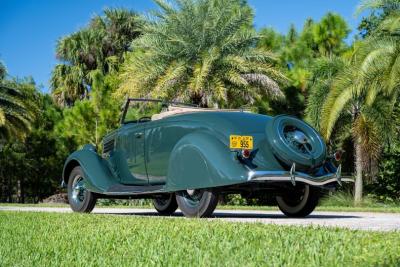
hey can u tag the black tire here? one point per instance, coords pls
(80, 199)
(299, 201)
(165, 205)
(197, 203)
(294, 141)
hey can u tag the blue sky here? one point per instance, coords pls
(29, 29)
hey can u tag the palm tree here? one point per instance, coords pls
(99, 46)
(329, 34)
(17, 110)
(361, 90)
(200, 51)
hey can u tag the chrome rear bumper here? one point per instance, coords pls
(293, 177)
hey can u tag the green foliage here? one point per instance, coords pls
(3, 71)
(99, 46)
(201, 52)
(270, 39)
(30, 169)
(208, 52)
(324, 71)
(379, 11)
(387, 185)
(90, 119)
(344, 199)
(329, 34)
(17, 107)
(104, 241)
(299, 52)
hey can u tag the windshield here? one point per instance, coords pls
(141, 111)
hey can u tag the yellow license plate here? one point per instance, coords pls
(240, 142)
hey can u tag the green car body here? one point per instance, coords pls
(191, 151)
(181, 152)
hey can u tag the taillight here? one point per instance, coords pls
(246, 153)
(337, 155)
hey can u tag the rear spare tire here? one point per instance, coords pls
(294, 141)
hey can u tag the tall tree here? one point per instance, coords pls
(200, 51)
(90, 119)
(99, 46)
(329, 34)
(366, 88)
(298, 52)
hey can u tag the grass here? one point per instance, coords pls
(48, 239)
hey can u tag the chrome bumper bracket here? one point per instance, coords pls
(339, 175)
(292, 174)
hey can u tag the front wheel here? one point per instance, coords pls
(165, 205)
(80, 199)
(299, 201)
(197, 203)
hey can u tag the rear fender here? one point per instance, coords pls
(200, 160)
(98, 177)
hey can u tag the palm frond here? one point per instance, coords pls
(335, 104)
(269, 86)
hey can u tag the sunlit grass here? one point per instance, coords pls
(49, 239)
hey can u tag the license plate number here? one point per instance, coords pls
(241, 142)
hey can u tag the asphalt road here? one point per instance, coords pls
(351, 220)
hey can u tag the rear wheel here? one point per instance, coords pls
(299, 201)
(80, 199)
(165, 205)
(197, 203)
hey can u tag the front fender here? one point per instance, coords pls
(200, 160)
(98, 177)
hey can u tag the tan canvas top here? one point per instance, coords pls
(175, 110)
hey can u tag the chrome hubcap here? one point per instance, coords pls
(193, 197)
(296, 139)
(78, 190)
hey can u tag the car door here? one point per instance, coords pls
(161, 138)
(130, 146)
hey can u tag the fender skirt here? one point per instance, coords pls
(200, 160)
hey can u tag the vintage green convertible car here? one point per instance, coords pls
(187, 156)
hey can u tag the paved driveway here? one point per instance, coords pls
(351, 220)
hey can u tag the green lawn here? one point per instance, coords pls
(49, 239)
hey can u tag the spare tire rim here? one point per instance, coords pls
(297, 140)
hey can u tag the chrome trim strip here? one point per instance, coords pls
(283, 176)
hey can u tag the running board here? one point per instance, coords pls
(126, 190)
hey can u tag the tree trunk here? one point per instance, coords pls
(358, 185)
(19, 191)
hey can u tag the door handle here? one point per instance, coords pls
(138, 135)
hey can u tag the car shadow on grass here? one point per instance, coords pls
(243, 215)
